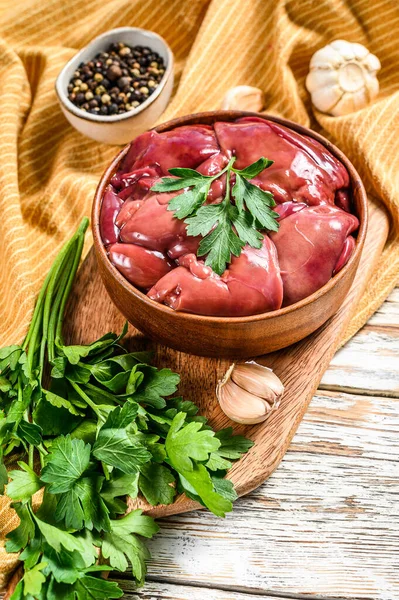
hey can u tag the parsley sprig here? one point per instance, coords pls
(238, 219)
(100, 431)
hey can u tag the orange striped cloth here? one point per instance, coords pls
(48, 172)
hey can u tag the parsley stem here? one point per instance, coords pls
(88, 400)
(34, 337)
(106, 471)
(42, 449)
(31, 455)
(38, 307)
(56, 286)
(81, 237)
(106, 395)
(226, 168)
(227, 199)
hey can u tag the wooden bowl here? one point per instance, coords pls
(232, 337)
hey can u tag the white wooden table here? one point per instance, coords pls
(326, 524)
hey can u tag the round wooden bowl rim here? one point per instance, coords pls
(229, 116)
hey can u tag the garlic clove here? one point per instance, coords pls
(326, 98)
(360, 52)
(344, 107)
(372, 86)
(241, 406)
(315, 79)
(373, 63)
(244, 97)
(249, 392)
(258, 380)
(344, 48)
(359, 98)
(326, 57)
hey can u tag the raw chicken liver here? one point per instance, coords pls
(151, 248)
(309, 245)
(251, 285)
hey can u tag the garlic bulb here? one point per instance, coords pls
(249, 392)
(244, 97)
(342, 78)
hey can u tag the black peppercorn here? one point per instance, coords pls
(116, 80)
(80, 98)
(123, 82)
(114, 72)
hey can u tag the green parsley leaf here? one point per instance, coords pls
(23, 483)
(225, 488)
(157, 384)
(187, 443)
(32, 552)
(75, 353)
(204, 220)
(85, 588)
(198, 483)
(156, 484)
(232, 446)
(246, 230)
(9, 357)
(119, 548)
(54, 420)
(188, 173)
(122, 417)
(120, 485)
(19, 537)
(258, 202)
(65, 566)
(170, 184)
(219, 245)
(135, 522)
(29, 433)
(5, 385)
(34, 579)
(68, 460)
(83, 506)
(86, 431)
(253, 170)
(116, 448)
(188, 202)
(58, 539)
(60, 402)
(128, 361)
(217, 463)
(59, 365)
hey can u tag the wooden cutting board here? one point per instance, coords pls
(300, 367)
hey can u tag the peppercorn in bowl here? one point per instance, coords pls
(118, 85)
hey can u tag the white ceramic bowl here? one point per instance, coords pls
(118, 129)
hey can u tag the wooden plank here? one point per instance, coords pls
(388, 313)
(325, 524)
(166, 591)
(367, 364)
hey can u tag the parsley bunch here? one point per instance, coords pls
(99, 432)
(225, 227)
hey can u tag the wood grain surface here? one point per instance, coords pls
(300, 366)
